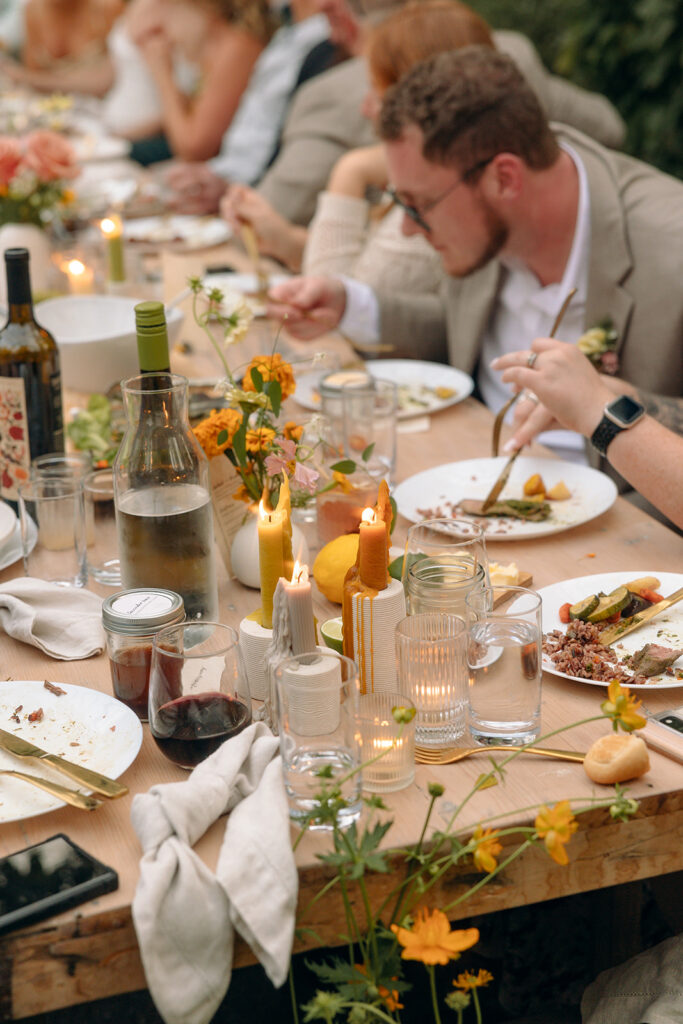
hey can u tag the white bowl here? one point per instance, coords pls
(96, 337)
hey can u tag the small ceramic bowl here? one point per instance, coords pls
(96, 338)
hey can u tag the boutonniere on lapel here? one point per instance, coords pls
(599, 344)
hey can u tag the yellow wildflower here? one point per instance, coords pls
(469, 980)
(208, 430)
(242, 494)
(622, 708)
(488, 846)
(271, 368)
(292, 431)
(342, 481)
(555, 826)
(259, 440)
(431, 940)
(390, 998)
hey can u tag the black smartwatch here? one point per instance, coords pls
(620, 414)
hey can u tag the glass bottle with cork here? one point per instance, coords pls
(30, 382)
(161, 481)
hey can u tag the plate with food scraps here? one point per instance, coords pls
(8, 521)
(182, 231)
(11, 550)
(439, 492)
(82, 725)
(423, 387)
(663, 634)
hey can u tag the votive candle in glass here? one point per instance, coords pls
(382, 735)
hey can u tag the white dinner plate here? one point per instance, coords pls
(182, 231)
(666, 628)
(8, 521)
(84, 726)
(244, 285)
(10, 551)
(435, 492)
(416, 382)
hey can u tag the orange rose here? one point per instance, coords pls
(49, 156)
(10, 158)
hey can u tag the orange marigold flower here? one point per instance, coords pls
(469, 980)
(342, 481)
(391, 999)
(259, 440)
(292, 431)
(555, 826)
(242, 494)
(208, 430)
(431, 940)
(488, 846)
(622, 708)
(271, 368)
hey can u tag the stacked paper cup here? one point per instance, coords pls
(374, 621)
(254, 643)
(313, 693)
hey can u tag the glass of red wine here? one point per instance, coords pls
(198, 690)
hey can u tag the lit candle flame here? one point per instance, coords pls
(111, 226)
(262, 512)
(369, 516)
(75, 268)
(299, 573)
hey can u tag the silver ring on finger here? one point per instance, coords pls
(529, 396)
(533, 356)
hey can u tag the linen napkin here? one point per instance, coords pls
(64, 622)
(645, 990)
(184, 915)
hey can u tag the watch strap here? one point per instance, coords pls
(604, 434)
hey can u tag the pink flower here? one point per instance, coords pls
(278, 462)
(305, 477)
(49, 156)
(10, 158)
(609, 363)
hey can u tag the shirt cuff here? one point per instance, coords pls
(360, 322)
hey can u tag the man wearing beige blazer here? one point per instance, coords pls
(325, 121)
(520, 214)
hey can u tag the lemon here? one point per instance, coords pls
(332, 564)
(332, 633)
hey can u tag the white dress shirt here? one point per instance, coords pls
(524, 310)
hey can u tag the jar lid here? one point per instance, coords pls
(142, 610)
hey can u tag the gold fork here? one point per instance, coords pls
(450, 755)
(69, 796)
(498, 424)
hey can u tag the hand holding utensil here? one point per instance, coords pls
(505, 473)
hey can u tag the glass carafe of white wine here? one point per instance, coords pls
(163, 499)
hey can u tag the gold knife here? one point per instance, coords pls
(93, 780)
(69, 796)
(500, 483)
(619, 629)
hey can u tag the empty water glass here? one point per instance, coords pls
(72, 465)
(317, 697)
(504, 661)
(431, 654)
(361, 417)
(53, 505)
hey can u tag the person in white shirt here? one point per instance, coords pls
(520, 213)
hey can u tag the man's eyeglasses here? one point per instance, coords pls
(418, 213)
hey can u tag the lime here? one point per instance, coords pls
(332, 633)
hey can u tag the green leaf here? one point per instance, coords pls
(274, 391)
(345, 466)
(222, 436)
(239, 442)
(368, 452)
(257, 378)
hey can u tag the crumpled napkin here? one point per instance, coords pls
(184, 915)
(64, 622)
(647, 989)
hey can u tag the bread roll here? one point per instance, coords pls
(616, 757)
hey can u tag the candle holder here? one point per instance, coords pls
(381, 734)
(374, 616)
(255, 640)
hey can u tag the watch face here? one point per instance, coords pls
(624, 411)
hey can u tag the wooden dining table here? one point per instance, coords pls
(92, 952)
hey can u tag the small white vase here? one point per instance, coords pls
(33, 238)
(244, 559)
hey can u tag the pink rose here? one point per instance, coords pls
(49, 156)
(609, 363)
(10, 158)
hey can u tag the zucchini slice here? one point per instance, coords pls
(609, 605)
(582, 609)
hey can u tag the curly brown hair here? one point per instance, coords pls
(470, 104)
(419, 30)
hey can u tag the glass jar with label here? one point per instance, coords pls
(131, 618)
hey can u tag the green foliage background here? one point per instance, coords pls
(629, 50)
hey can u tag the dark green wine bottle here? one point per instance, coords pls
(30, 382)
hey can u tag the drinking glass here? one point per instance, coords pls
(431, 655)
(441, 584)
(61, 464)
(504, 661)
(317, 697)
(381, 734)
(361, 418)
(198, 690)
(53, 505)
(100, 528)
(459, 542)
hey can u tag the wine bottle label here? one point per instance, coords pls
(15, 450)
